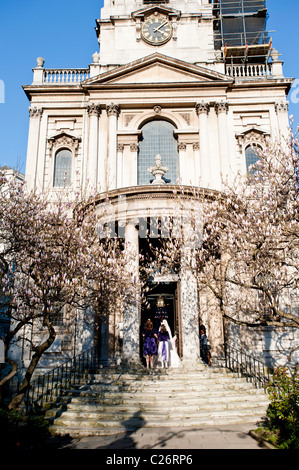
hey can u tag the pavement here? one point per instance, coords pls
(206, 437)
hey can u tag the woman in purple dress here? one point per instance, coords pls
(149, 346)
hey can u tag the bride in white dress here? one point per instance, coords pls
(172, 356)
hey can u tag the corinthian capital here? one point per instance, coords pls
(112, 109)
(221, 107)
(35, 111)
(94, 109)
(202, 107)
(281, 106)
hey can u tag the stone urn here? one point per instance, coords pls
(40, 62)
(158, 170)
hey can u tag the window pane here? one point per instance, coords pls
(63, 168)
(251, 155)
(158, 138)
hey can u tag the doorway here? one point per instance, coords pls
(162, 303)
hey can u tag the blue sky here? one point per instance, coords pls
(62, 31)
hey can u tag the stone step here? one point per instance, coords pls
(156, 374)
(187, 408)
(75, 431)
(212, 397)
(167, 389)
(159, 383)
(197, 401)
(179, 412)
(139, 420)
(119, 379)
(113, 401)
(150, 394)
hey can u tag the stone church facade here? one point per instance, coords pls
(170, 78)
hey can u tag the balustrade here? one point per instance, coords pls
(249, 70)
(70, 76)
(74, 76)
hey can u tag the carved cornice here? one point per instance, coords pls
(163, 9)
(252, 136)
(150, 192)
(64, 140)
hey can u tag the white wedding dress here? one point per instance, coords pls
(173, 357)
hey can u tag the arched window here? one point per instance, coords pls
(251, 155)
(62, 168)
(157, 138)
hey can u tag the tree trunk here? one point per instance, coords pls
(9, 376)
(39, 351)
(10, 335)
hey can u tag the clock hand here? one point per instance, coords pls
(156, 29)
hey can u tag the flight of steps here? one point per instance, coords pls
(113, 401)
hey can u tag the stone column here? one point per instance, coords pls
(40, 179)
(120, 158)
(189, 301)
(133, 162)
(113, 113)
(196, 154)
(189, 317)
(281, 109)
(224, 168)
(94, 112)
(202, 110)
(35, 114)
(131, 320)
(182, 161)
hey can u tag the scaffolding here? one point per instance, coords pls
(240, 31)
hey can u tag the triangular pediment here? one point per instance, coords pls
(163, 9)
(158, 68)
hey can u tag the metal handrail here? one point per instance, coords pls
(45, 387)
(248, 366)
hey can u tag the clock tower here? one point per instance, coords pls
(129, 30)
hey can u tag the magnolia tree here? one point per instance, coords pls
(51, 257)
(250, 242)
(246, 260)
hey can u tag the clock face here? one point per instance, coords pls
(156, 30)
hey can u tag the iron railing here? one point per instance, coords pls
(47, 387)
(247, 366)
